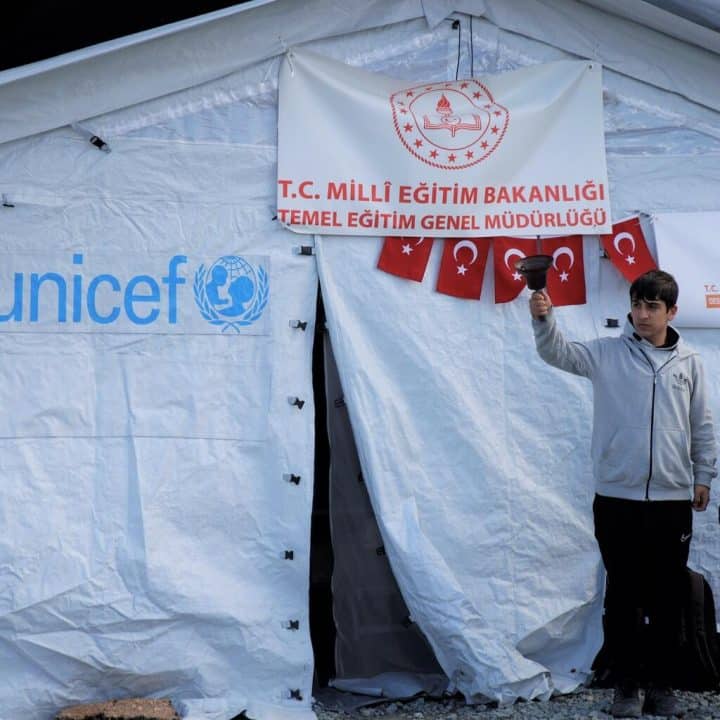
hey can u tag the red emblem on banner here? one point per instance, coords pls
(449, 125)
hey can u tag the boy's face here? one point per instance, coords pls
(650, 319)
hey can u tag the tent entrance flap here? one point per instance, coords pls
(377, 647)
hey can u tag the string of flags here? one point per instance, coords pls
(463, 262)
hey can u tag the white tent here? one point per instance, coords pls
(157, 461)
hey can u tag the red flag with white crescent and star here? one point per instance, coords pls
(566, 275)
(462, 268)
(627, 249)
(405, 257)
(506, 252)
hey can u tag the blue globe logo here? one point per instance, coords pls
(231, 292)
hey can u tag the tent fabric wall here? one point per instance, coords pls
(485, 517)
(469, 413)
(144, 560)
(144, 508)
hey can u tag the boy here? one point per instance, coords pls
(654, 456)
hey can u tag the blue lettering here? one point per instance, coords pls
(132, 297)
(102, 299)
(77, 290)
(35, 282)
(92, 289)
(17, 309)
(172, 281)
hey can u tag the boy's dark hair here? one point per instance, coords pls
(655, 285)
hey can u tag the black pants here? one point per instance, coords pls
(644, 547)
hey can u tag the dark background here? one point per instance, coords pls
(33, 30)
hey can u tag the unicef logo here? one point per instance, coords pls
(230, 292)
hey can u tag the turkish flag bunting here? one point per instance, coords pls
(627, 249)
(506, 252)
(406, 257)
(462, 268)
(566, 276)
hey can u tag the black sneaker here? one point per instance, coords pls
(628, 701)
(661, 701)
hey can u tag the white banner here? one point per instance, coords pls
(687, 247)
(521, 153)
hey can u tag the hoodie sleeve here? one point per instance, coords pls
(554, 349)
(703, 450)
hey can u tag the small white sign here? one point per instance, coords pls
(688, 248)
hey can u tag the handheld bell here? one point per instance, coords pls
(534, 269)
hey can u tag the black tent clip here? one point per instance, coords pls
(304, 250)
(91, 137)
(99, 143)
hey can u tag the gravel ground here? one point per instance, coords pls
(587, 703)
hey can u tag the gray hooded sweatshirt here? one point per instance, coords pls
(653, 435)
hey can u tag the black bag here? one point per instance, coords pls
(698, 666)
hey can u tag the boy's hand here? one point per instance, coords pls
(540, 304)
(702, 498)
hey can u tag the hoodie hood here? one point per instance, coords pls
(673, 341)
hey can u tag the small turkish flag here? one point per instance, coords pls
(462, 268)
(406, 257)
(566, 275)
(627, 249)
(506, 252)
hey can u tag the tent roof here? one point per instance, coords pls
(670, 17)
(83, 84)
(702, 12)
